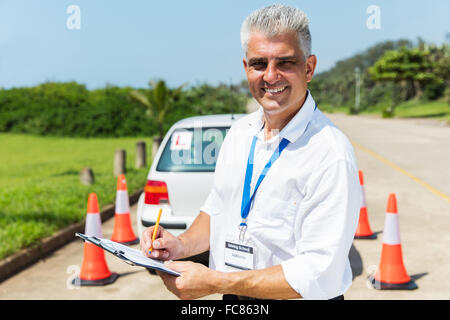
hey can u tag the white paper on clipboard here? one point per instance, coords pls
(181, 140)
(129, 255)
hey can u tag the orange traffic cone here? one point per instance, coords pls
(391, 273)
(123, 232)
(363, 230)
(94, 271)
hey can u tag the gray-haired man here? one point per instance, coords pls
(281, 216)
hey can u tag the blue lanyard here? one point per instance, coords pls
(246, 198)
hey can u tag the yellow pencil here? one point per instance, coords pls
(155, 230)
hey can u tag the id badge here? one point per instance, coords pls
(240, 255)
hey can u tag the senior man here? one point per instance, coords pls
(281, 216)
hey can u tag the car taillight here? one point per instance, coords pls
(156, 192)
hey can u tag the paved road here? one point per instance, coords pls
(51, 278)
(409, 158)
(401, 156)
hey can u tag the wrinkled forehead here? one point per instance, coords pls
(280, 44)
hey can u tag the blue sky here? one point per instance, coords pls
(128, 43)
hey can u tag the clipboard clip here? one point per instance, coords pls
(120, 254)
(103, 245)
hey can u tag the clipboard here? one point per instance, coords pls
(129, 255)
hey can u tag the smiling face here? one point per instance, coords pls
(277, 72)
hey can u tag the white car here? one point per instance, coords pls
(181, 174)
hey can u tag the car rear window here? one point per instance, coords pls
(192, 150)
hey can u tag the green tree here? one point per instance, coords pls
(70, 109)
(207, 99)
(336, 86)
(158, 99)
(440, 56)
(406, 64)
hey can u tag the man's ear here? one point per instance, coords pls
(311, 63)
(245, 64)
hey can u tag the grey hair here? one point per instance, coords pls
(274, 20)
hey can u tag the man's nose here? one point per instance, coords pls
(271, 74)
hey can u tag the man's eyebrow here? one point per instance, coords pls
(286, 58)
(256, 60)
(264, 60)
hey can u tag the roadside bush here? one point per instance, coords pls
(70, 109)
(434, 91)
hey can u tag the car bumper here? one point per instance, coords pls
(167, 221)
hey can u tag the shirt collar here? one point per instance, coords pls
(295, 127)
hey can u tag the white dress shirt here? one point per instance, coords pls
(304, 214)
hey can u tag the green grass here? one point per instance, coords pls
(40, 189)
(438, 110)
(332, 109)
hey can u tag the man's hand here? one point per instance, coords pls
(165, 247)
(196, 280)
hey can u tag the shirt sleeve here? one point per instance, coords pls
(213, 203)
(326, 225)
